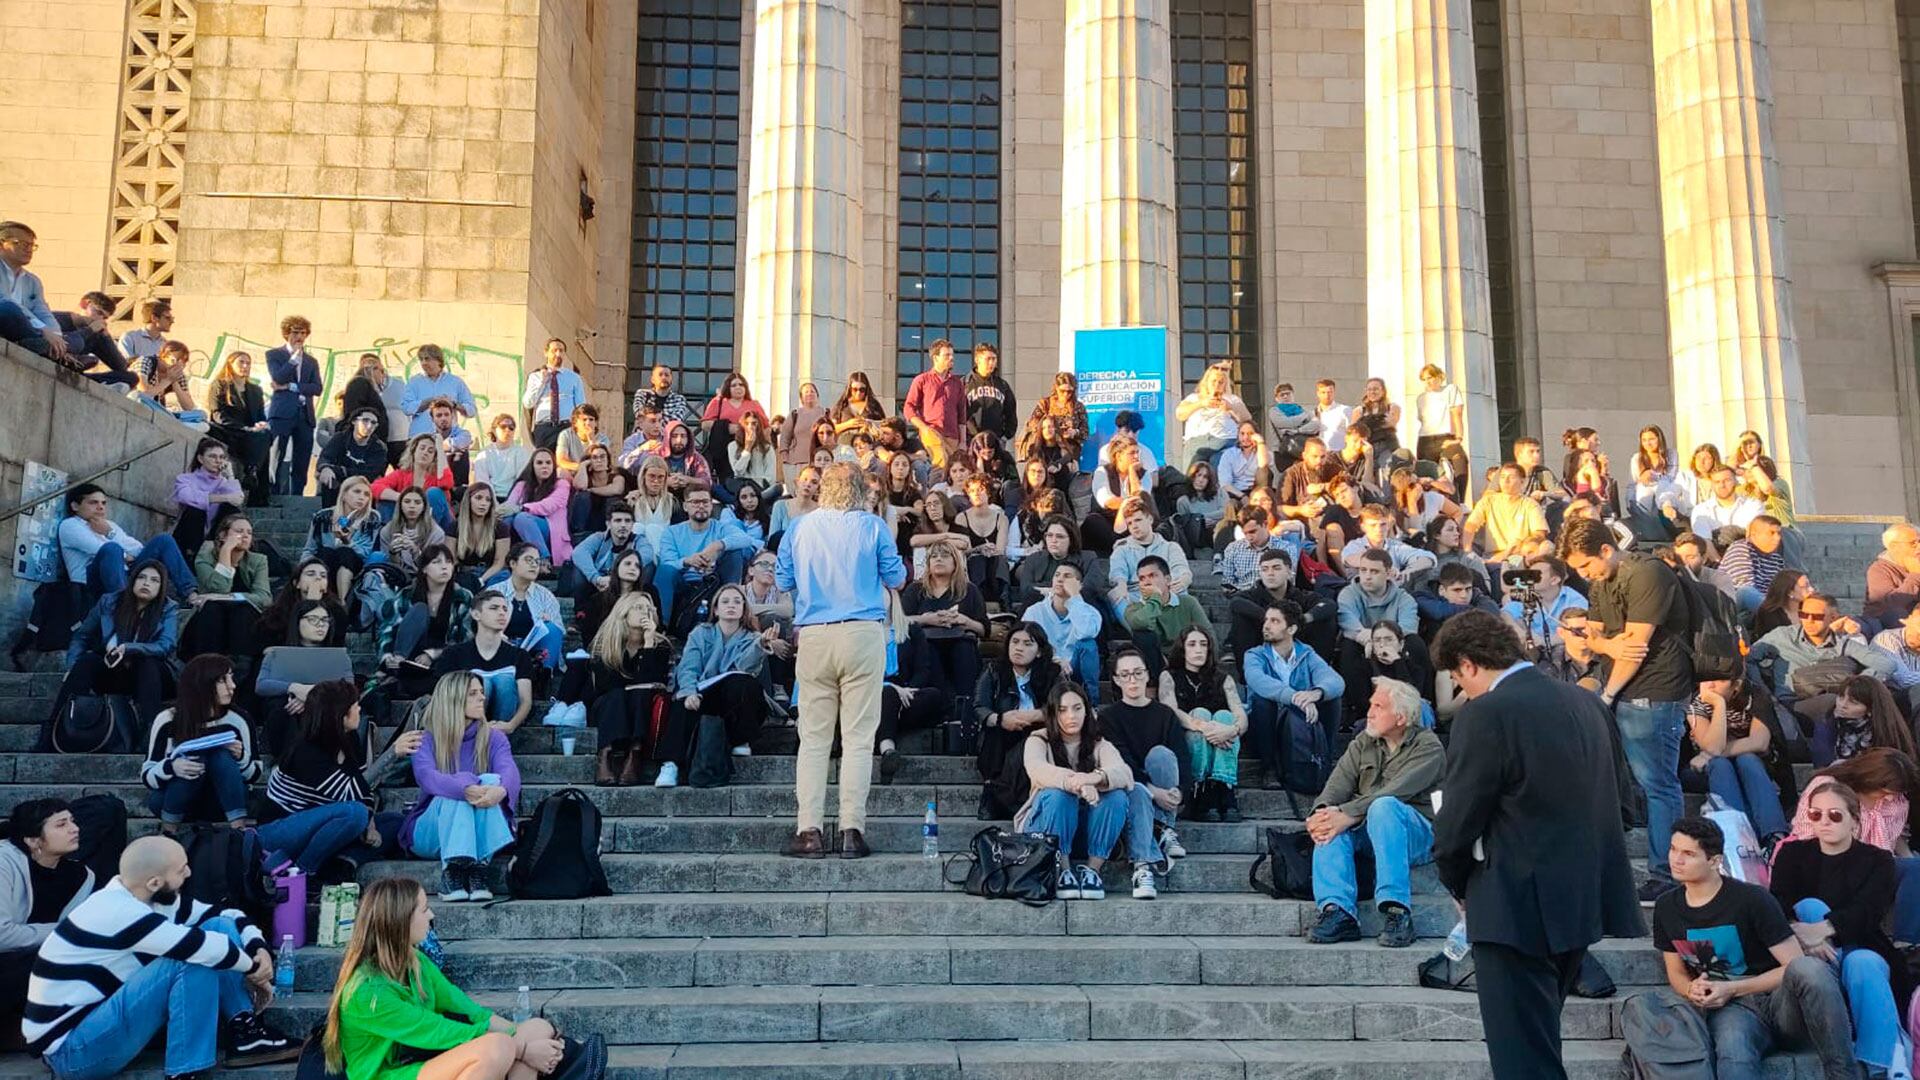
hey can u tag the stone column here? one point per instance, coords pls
(1427, 300)
(800, 299)
(1119, 230)
(1736, 363)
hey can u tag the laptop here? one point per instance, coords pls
(307, 664)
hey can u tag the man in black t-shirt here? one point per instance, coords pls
(505, 668)
(1643, 625)
(1730, 952)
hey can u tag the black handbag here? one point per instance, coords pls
(1290, 853)
(1439, 973)
(313, 1059)
(94, 724)
(1008, 865)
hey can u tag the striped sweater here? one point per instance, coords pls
(106, 941)
(158, 768)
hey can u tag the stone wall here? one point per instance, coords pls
(1839, 127)
(1033, 40)
(1586, 191)
(51, 416)
(59, 118)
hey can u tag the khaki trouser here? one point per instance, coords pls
(840, 667)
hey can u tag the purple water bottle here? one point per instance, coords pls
(290, 906)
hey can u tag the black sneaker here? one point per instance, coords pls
(1397, 932)
(1334, 926)
(251, 1042)
(1232, 811)
(889, 766)
(1655, 888)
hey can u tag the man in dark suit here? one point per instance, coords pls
(290, 416)
(1528, 838)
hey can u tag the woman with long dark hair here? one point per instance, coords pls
(207, 784)
(309, 581)
(1009, 703)
(480, 538)
(857, 410)
(391, 1004)
(1654, 455)
(1731, 725)
(537, 507)
(1203, 697)
(597, 484)
(1057, 429)
(1781, 606)
(416, 625)
(751, 512)
(126, 642)
(1080, 788)
(628, 575)
(1863, 716)
(948, 619)
(1198, 513)
(319, 799)
(411, 531)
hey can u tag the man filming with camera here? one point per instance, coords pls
(1535, 598)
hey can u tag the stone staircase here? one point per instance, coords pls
(717, 957)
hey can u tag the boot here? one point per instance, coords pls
(630, 768)
(603, 769)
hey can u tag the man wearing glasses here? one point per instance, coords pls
(1823, 634)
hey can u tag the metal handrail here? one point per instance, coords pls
(120, 466)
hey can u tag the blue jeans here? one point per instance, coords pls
(1906, 899)
(1085, 658)
(1650, 733)
(1163, 771)
(503, 695)
(292, 451)
(1065, 817)
(730, 568)
(186, 999)
(1748, 597)
(534, 530)
(108, 571)
(1864, 976)
(1400, 838)
(1742, 783)
(1807, 1011)
(451, 829)
(219, 789)
(311, 837)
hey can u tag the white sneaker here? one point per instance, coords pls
(1143, 887)
(1170, 844)
(1068, 887)
(577, 715)
(1091, 887)
(743, 750)
(556, 715)
(669, 776)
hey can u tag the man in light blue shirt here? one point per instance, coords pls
(1238, 467)
(1554, 597)
(429, 384)
(552, 393)
(698, 548)
(1071, 624)
(838, 562)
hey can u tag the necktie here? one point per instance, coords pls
(553, 397)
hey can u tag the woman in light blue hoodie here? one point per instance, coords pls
(721, 675)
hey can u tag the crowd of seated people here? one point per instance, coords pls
(1051, 627)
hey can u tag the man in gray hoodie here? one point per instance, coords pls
(39, 884)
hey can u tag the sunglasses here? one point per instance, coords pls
(1574, 631)
(1805, 615)
(1835, 816)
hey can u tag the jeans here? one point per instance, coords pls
(1808, 1009)
(534, 530)
(1204, 449)
(1650, 733)
(451, 829)
(108, 571)
(1400, 838)
(1163, 771)
(218, 789)
(1867, 982)
(548, 643)
(729, 568)
(1067, 818)
(503, 695)
(1742, 783)
(188, 1000)
(311, 837)
(1085, 658)
(1748, 597)
(1212, 762)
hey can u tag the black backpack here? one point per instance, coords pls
(1713, 625)
(559, 855)
(103, 834)
(229, 870)
(1306, 753)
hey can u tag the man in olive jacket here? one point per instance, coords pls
(1528, 838)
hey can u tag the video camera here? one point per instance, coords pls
(1519, 578)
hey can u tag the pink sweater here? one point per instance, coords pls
(553, 509)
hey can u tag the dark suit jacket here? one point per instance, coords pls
(296, 402)
(1530, 772)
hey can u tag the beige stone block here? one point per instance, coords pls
(399, 57)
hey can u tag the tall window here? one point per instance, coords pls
(1513, 382)
(949, 179)
(685, 192)
(1213, 126)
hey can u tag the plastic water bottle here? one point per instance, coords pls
(1457, 946)
(283, 966)
(930, 834)
(523, 1005)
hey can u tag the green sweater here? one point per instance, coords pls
(380, 1015)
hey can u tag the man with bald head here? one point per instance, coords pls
(136, 957)
(1893, 581)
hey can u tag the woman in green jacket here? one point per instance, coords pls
(232, 581)
(395, 1017)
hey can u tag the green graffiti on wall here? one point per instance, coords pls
(491, 375)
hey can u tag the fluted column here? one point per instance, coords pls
(1736, 363)
(1427, 300)
(800, 301)
(1119, 230)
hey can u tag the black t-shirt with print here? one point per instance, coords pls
(1730, 937)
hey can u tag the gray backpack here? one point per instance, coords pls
(1667, 1038)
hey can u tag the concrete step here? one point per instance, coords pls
(894, 960)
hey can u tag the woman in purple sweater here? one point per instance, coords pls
(469, 787)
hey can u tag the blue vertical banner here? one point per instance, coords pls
(1122, 368)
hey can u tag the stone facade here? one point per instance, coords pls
(410, 172)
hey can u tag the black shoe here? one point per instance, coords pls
(1398, 932)
(853, 845)
(889, 766)
(1232, 811)
(1334, 926)
(1655, 888)
(202, 1075)
(251, 1042)
(582, 1060)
